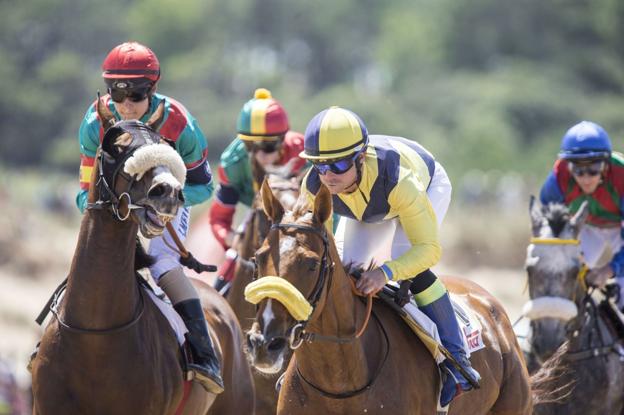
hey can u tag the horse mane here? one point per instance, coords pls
(544, 385)
(557, 215)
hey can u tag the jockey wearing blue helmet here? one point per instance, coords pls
(588, 170)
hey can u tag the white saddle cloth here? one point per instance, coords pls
(468, 322)
(174, 319)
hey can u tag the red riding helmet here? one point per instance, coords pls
(131, 60)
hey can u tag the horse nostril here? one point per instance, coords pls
(159, 190)
(276, 344)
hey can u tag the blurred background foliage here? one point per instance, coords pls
(489, 86)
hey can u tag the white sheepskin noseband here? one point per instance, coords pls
(550, 307)
(154, 155)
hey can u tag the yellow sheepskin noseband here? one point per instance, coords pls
(282, 291)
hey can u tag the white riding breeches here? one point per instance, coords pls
(166, 258)
(598, 245)
(361, 243)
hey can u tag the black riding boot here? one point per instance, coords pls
(206, 365)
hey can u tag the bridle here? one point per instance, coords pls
(107, 197)
(591, 316)
(141, 135)
(297, 333)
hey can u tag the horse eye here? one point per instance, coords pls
(312, 266)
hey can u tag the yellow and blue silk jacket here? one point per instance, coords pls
(396, 173)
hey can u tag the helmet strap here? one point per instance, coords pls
(358, 175)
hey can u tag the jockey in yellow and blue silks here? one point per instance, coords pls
(131, 72)
(387, 191)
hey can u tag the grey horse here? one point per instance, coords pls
(553, 263)
(571, 331)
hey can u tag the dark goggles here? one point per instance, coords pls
(119, 90)
(264, 146)
(589, 169)
(134, 95)
(336, 167)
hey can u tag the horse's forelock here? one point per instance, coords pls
(558, 217)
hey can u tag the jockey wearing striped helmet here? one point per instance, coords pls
(391, 196)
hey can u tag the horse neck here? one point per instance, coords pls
(341, 315)
(101, 290)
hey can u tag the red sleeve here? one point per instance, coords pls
(220, 218)
(293, 145)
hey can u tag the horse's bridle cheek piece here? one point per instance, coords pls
(107, 196)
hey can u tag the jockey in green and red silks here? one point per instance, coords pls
(588, 170)
(131, 72)
(264, 134)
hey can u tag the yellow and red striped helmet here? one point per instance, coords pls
(262, 118)
(333, 134)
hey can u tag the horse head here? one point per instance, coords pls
(553, 265)
(138, 174)
(294, 265)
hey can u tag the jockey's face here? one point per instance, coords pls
(587, 175)
(588, 184)
(340, 183)
(130, 110)
(267, 159)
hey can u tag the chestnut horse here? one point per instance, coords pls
(387, 369)
(255, 229)
(110, 350)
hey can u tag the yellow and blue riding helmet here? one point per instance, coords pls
(334, 133)
(262, 118)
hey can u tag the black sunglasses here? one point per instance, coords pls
(336, 167)
(593, 169)
(134, 94)
(264, 146)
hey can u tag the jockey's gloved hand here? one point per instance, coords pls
(226, 270)
(598, 276)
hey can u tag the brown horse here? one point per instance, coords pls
(255, 229)
(110, 350)
(387, 369)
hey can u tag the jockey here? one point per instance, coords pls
(131, 73)
(588, 170)
(264, 137)
(388, 192)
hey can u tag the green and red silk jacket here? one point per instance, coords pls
(178, 126)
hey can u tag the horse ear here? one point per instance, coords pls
(536, 216)
(107, 119)
(157, 117)
(270, 204)
(580, 216)
(322, 205)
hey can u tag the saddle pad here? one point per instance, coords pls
(427, 331)
(174, 319)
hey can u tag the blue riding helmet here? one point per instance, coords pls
(585, 141)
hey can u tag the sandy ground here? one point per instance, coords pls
(23, 295)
